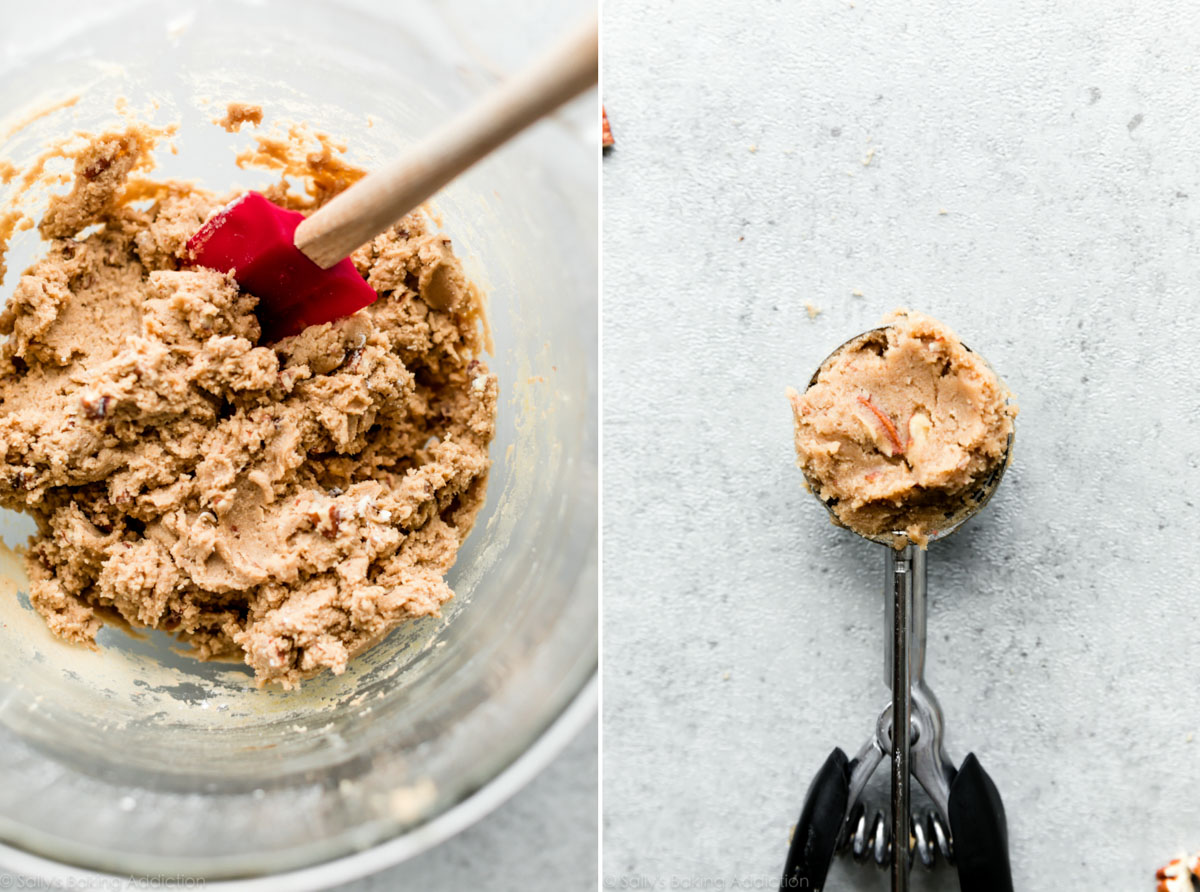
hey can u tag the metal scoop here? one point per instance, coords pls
(965, 819)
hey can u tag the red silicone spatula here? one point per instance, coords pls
(298, 267)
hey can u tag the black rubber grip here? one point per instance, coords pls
(979, 830)
(820, 823)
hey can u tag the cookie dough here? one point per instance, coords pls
(284, 504)
(900, 428)
(239, 113)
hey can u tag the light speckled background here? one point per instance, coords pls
(775, 153)
(545, 837)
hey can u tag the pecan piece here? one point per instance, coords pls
(96, 409)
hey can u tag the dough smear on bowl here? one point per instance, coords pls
(286, 504)
(901, 428)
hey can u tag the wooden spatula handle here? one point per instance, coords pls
(377, 201)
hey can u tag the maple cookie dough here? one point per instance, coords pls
(286, 504)
(900, 429)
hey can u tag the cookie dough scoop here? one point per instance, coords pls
(964, 819)
(299, 267)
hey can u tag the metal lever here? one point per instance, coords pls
(899, 676)
(966, 807)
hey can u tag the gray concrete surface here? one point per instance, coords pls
(1027, 172)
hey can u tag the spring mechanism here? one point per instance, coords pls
(868, 836)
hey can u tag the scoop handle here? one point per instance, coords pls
(979, 830)
(815, 838)
(377, 201)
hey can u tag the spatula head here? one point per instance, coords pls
(254, 240)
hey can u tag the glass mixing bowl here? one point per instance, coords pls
(136, 760)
